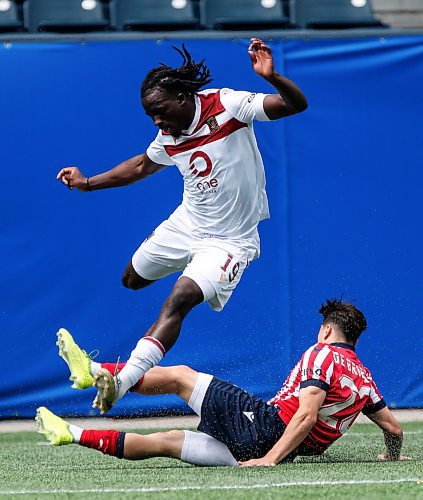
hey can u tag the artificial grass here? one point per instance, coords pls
(29, 468)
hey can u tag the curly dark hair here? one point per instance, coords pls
(187, 78)
(346, 316)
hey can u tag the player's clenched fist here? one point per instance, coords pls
(72, 177)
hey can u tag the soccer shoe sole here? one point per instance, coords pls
(106, 391)
(77, 360)
(55, 429)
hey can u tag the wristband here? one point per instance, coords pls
(88, 184)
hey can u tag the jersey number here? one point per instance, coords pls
(327, 414)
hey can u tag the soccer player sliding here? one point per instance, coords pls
(212, 235)
(319, 401)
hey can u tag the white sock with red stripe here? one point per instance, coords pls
(147, 353)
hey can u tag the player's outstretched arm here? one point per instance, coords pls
(392, 433)
(132, 170)
(311, 399)
(290, 99)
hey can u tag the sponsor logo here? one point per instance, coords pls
(311, 372)
(201, 165)
(196, 168)
(205, 185)
(251, 97)
(249, 415)
(148, 237)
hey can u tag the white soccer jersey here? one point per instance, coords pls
(224, 180)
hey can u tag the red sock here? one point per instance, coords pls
(108, 442)
(115, 368)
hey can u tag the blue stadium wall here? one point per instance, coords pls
(344, 182)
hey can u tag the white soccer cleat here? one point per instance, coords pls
(106, 390)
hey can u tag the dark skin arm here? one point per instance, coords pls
(132, 170)
(392, 433)
(289, 100)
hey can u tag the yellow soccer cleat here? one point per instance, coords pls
(55, 429)
(79, 361)
(106, 390)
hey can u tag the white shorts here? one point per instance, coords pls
(215, 264)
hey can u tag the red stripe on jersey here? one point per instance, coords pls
(210, 106)
(224, 130)
(157, 343)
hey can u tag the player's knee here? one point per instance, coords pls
(129, 283)
(181, 376)
(133, 281)
(183, 299)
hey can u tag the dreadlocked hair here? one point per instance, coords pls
(187, 78)
(346, 316)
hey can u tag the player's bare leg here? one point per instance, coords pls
(134, 281)
(149, 351)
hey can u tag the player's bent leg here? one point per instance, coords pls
(78, 361)
(185, 295)
(150, 350)
(132, 280)
(160, 444)
(179, 380)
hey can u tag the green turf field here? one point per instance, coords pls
(31, 469)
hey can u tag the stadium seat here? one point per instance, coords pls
(153, 15)
(333, 14)
(243, 14)
(9, 17)
(64, 16)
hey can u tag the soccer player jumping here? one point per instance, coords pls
(212, 236)
(319, 401)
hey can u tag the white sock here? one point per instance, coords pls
(94, 367)
(76, 432)
(202, 449)
(147, 353)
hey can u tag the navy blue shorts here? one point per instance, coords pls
(246, 424)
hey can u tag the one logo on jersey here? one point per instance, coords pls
(212, 124)
(148, 237)
(197, 167)
(249, 415)
(252, 96)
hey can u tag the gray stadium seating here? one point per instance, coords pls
(64, 16)
(333, 14)
(10, 19)
(153, 15)
(243, 14)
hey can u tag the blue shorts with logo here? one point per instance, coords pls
(246, 424)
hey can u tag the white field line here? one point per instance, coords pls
(210, 487)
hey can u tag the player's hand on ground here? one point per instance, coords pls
(72, 177)
(261, 58)
(257, 462)
(384, 458)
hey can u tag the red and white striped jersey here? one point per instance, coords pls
(224, 180)
(349, 387)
